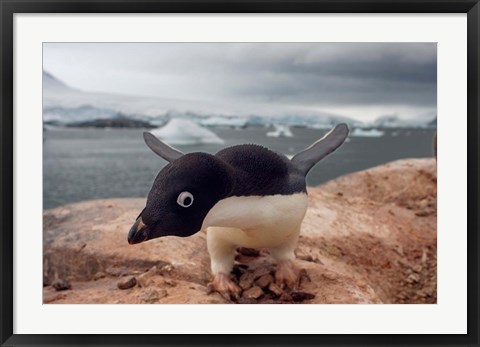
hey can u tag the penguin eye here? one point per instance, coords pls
(185, 199)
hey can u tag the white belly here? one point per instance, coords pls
(258, 221)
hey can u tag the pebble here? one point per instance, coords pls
(127, 282)
(246, 280)
(418, 268)
(424, 256)
(260, 271)
(399, 250)
(151, 296)
(166, 268)
(275, 289)
(253, 293)
(304, 277)
(264, 281)
(239, 269)
(118, 272)
(170, 282)
(145, 279)
(413, 278)
(422, 294)
(302, 296)
(99, 275)
(285, 297)
(61, 284)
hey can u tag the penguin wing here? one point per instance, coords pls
(310, 156)
(160, 148)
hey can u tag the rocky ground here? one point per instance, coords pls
(369, 237)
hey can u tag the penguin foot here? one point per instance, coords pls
(223, 285)
(287, 274)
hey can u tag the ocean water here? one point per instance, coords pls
(81, 163)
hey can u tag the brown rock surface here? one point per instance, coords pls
(368, 237)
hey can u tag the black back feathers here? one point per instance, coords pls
(259, 160)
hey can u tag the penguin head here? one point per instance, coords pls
(182, 194)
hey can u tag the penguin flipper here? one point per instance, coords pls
(310, 156)
(160, 148)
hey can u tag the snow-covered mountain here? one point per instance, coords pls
(426, 120)
(51, 83)
(62, 104)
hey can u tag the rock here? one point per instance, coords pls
(304, 277)
(413, 278)
(118, 271)
(145, 279)
(170, 282)
(166, 268)
(253, 293)
(152, 296)
(99, 275)
(246, 280)
(127, 282)
(275, 289)
(367, 240)
(239, 268)
(260, 271)
(264, 281)
(61, 284)
(69, 263)
(417, 268)
(302, 296)
(285, 297)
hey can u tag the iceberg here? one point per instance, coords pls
(280, 131)
(224, 122)
(359, 132)
(180, 131)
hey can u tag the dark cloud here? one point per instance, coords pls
(309, 74)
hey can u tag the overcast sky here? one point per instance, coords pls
(359, 80)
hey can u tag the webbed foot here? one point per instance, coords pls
(224, 286)
(287, 274)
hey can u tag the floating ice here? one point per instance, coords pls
(224, 122)
(185, 132)
(280, 131)
(359, 132)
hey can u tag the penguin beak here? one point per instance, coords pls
(139, 232)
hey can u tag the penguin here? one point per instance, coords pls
(243, 196)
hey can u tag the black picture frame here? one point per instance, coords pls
(9, 7)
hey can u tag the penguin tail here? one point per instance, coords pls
(310, 156)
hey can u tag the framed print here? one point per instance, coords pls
(265, 173)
